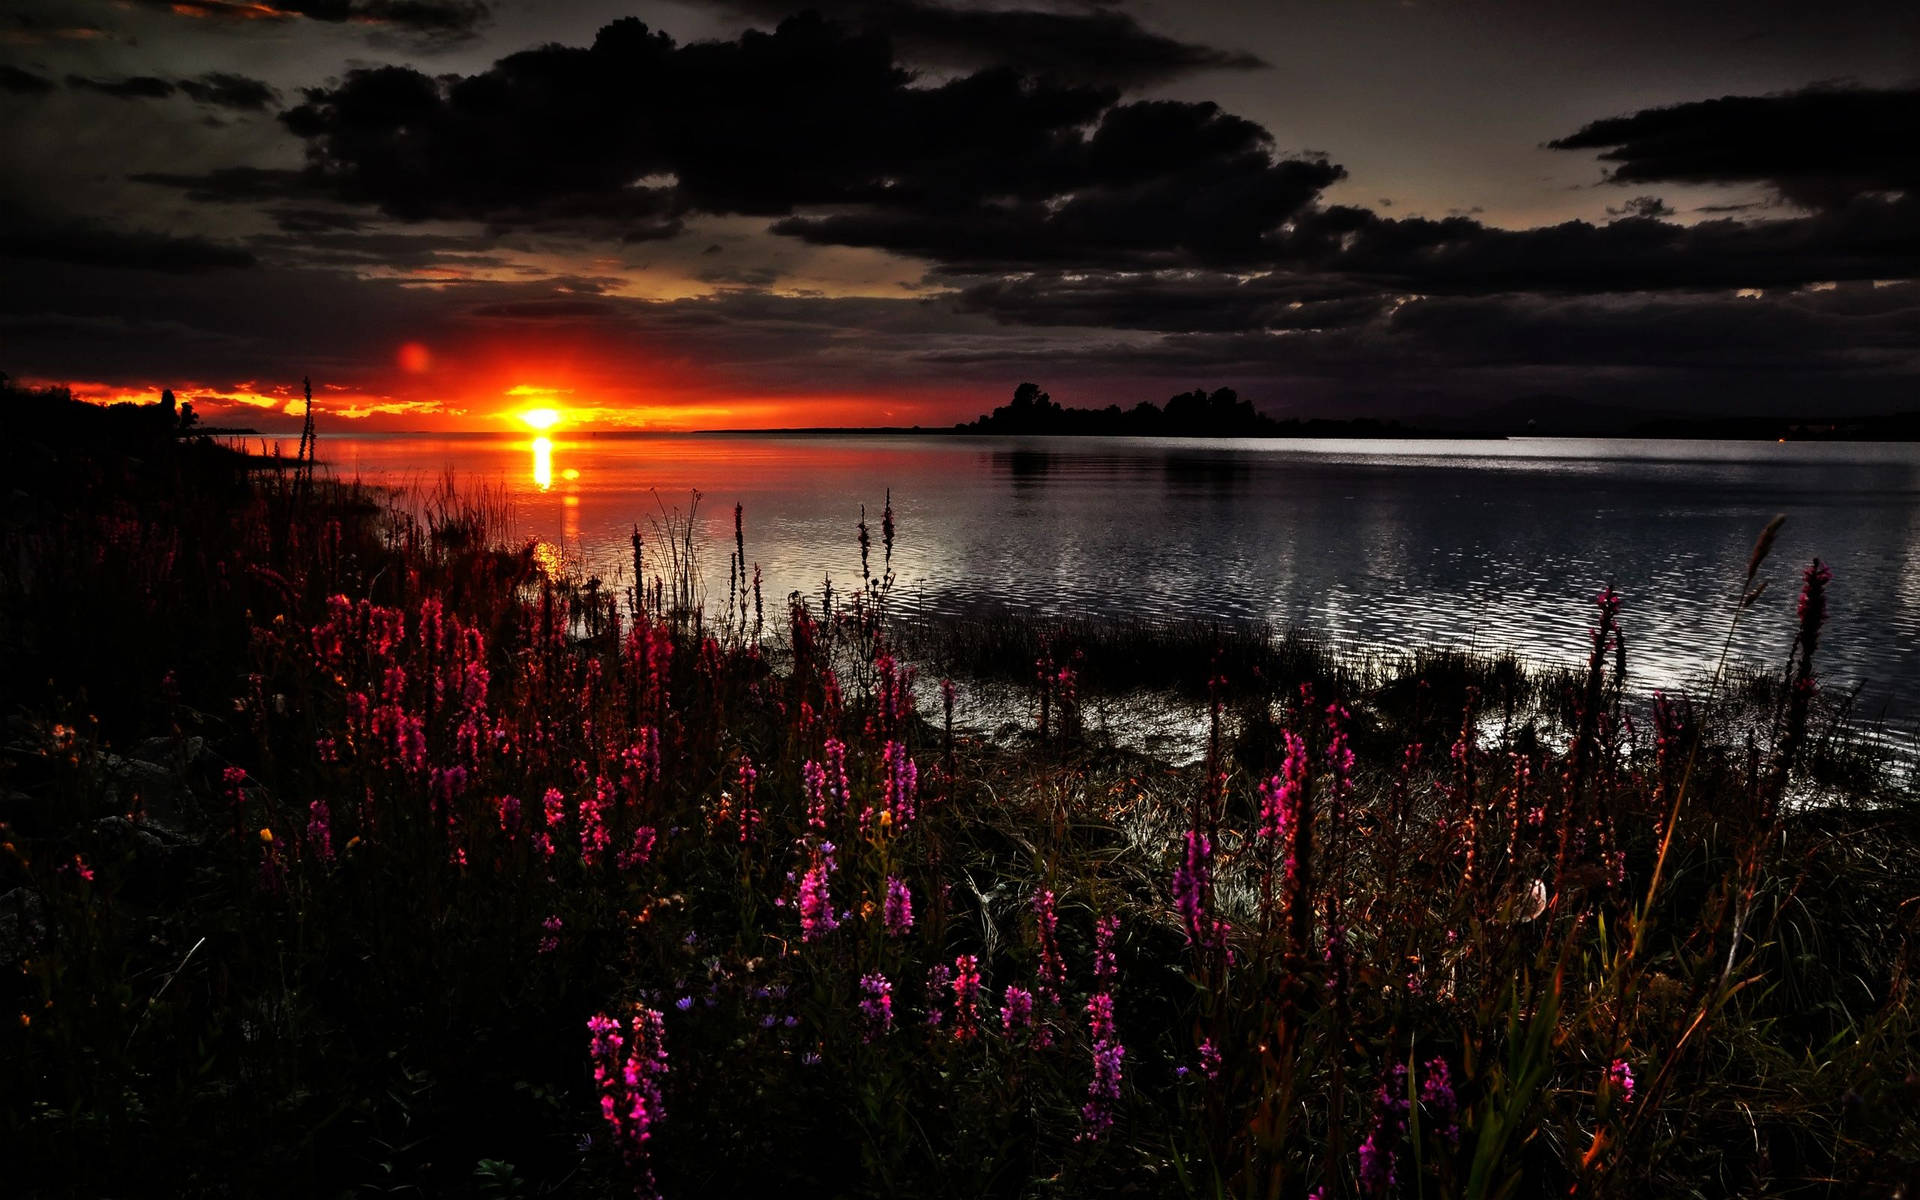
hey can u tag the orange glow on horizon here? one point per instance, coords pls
(582, 398)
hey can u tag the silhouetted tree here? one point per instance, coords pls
(1199, 413)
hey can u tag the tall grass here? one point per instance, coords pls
(349, 849)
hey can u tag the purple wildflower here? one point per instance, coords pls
(1193, 893)
(897, 912)
(1209, 1059)
(876, 1005)
(1436, 1095)
(900, 783)
(939, 978)
(1103, 1092)
(1380, 1151)
(1105, 966)
(320, 830)
(814, 779)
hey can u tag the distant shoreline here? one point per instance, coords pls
(942, 431)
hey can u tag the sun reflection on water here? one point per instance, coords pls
(543, 463)
(547, 557)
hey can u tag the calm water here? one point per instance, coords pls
(1374, 543)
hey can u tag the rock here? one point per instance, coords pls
(175, 752)
(23, 925)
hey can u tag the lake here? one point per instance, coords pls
(1374, 543)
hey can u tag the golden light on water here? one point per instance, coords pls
(543, 463)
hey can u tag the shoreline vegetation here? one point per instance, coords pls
(343, 848)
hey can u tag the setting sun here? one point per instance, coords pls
(540, 418)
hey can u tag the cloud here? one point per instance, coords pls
(820, 127)
(441, 19)
(1062, 228)
(992, 166)
(218, 88)
(555, 309)
(1646, 207)
(32, 29)
(1091, 43)
(1339, 350)
(229, 185)
(1819, 148)
(230, 91)
(1172, 302)
(23, 83)
(133, 87)
(94, 245)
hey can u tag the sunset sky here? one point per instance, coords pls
(889, 212)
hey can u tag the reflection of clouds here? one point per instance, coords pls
(1495, 545)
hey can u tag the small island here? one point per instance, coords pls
(1199, 413)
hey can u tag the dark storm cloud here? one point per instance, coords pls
(1360, 258)
(133, 87)
(91, 245)
(1850, 349)
(1651, 207)
(1171, 302)
(89, 324)
(1819, 148)
(440, 18)
(229, 185)
(230, 91)
(558, 309)
(998, 173)
(23, 83)
(218, 88)
(34, 29)
(317, 220)
(1093, 42)
(1869, 238)
(1158, 183)
(992, 166)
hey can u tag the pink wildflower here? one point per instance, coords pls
(631, 1100)
(1620, 1076)
(816, 901)
(1017, 1011)
(966, 996)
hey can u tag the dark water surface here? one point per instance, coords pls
(1371, 543)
